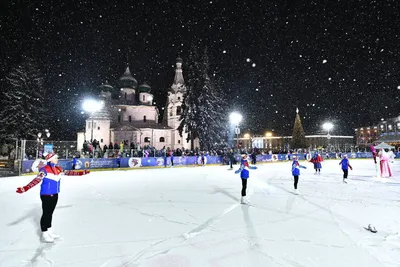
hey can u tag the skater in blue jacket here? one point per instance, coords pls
(345, 167)
(296, 173)
(244, 175)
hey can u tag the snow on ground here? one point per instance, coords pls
(190, 216)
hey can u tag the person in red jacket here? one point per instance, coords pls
(316, 160)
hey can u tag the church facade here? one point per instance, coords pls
(128, 115)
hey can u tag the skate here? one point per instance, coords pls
(344, 180)
(52, 234)
(296, 192)
(244, 200)
(47, 238)
(371, 228)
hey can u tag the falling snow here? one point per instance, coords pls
(80, 46)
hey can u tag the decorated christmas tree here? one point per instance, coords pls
(298, 136)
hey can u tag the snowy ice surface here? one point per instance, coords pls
(191, 216)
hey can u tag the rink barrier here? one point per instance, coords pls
(29, 166)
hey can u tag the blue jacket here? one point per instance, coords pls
(296, 168)
(345, 164)
(50, 179)
(244, 169)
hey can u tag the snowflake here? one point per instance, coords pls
(324, 61)
(224, 51)
(253, 65)
(248, 60)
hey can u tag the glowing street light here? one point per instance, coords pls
(235, 119)
(327, 126)
(92, 106)
(268, 134)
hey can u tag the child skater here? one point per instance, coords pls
(345, 167)
(296, 172)
(244, 175)
(49, 176)
(316, 160)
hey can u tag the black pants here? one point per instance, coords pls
(345, 173)
(296, 181)
(73, 166)
(244, 187)
(230, 162)
(49, 203)
(172, 162)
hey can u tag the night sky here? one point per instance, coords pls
(335, 60)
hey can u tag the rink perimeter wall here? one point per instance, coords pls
(136, 162)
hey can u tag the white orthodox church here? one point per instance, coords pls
(128, 114)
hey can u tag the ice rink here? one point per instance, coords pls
(191, 216)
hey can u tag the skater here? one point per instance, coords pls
(244, 175)
(386, 172)
(316, 160)
(254, 157)
(374, 153)
(296, 173)
(171, 154)
(345, 167)
(74, 163)
(50, 176)
(119, 161)
(231, 157)
(203, 160)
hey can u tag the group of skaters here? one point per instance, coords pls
(50, 177)
(384, 167)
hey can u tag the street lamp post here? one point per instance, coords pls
(92, 106)
(327, 126)
(235, 119)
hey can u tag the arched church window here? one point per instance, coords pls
(178, 110)
(147, 139)
(125, 96)
(144, 119)
(179, 98)
(119, 118)
(144, 98)
(130, 118)
(162, 139)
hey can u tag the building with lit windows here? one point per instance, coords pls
(387, 131)
(129, 115)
